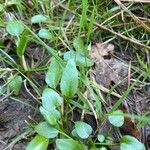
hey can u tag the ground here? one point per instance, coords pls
(113, 36)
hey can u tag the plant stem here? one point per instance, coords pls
(23, 63)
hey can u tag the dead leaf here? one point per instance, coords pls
(107, 69)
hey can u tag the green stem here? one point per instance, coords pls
(107, 144)
(23, 63)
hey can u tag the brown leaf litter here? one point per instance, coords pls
(109, 70)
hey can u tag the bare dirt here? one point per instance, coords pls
(13, 117)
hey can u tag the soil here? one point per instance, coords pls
(13, 120)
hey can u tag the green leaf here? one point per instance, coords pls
(45, 34)
(69, 80)
(14, 28)
(2, 23)
(81, 60)
(103, 148)
(39, 18)
(83, 129)
(116, 118)
(144, 65)
(50, 99)
(1, 8)
(13, 2)
(51, 116)
(22, 43)
(15, 84)
(79, 46)
(54, 73)
(91, 23)
(69, 144)
(101, 138)
(74, 133)
(46, 130)
(83, 19)
(38, 143)
(131, 143)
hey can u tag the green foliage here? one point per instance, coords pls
(22, 43)
(15, 28)
(131, 143)
(51, 115)
(101, 138)
(46, 130)
(38, 143)
(50, 99)
(39, 18)
(69, 144)
(103, 148)
(116, 118)
(81, 60)
(1, 8)
(69, 80)
(54, 73)
(83, 130)
(144, 66)
(79, 45)
(67, 72)
(14, 84)
(83, 20)
(46, 34)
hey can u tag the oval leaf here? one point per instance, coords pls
(83, 129)
(45, 34)
(101, 138)
(131, 143)
(69, 80)
(54, 73)
(38, 143)
(50, 99)
(15, 84)
(81, 60)
(69, 144)
(46, 130)
(103, 148)
(39, 18)
(116, 118)
(14, 28)
(50, 116)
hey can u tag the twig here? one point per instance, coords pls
(121, 36)
(135, 18)
(25, 85)
(105, 90)
(6, 96)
